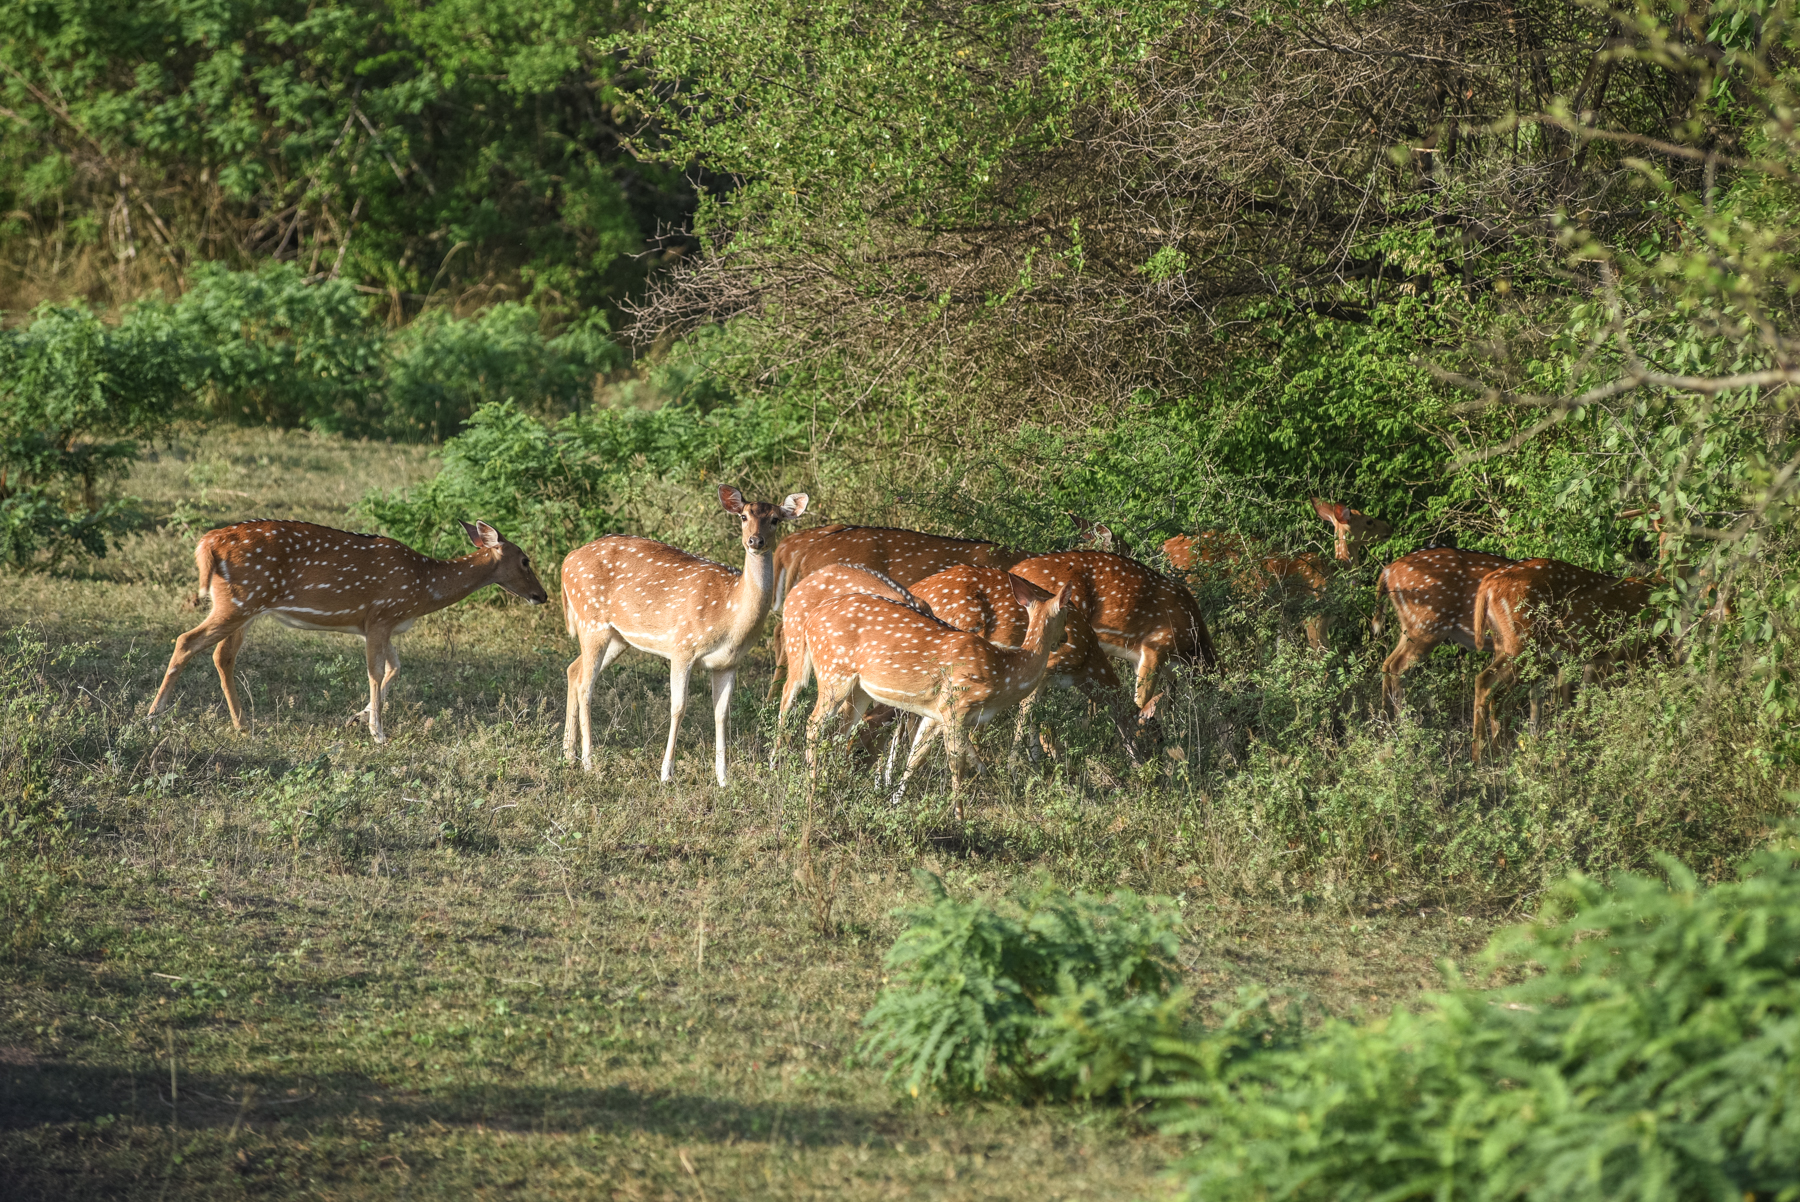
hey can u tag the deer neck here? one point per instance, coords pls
(448, 581)
(1041, 638)
(751, 596)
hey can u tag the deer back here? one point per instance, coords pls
(981, 601)
(904, 556)
(650, 592)
(1124, 601)
(1188, 552)
(1557, 605)
(828, 583)
(1433, 593)
(315, 576)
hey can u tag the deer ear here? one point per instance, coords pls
(794, 506)
(1325, 509)
(731, 499)
(1025, 592)
(1063, 593)
(486, 536)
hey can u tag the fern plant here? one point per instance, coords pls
(1042, 992)
(1650, 1054)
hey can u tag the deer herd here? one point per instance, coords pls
(900, 627)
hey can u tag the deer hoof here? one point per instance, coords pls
(380, 739)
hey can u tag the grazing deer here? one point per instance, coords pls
(1139, 615)
(903, 556)
(982, 601)
(1303, 577)
(1433, 593)
(621, 592)
(1702, 578)
(316, 578)
(866, 650)
(827, 584)
(1557, 608)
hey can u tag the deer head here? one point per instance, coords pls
(1097, 535)
(1353, 528)
(511, 566)
(760, 517)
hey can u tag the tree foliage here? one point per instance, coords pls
(465, 148)
(1052, 208)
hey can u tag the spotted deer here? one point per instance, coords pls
(1560, 610)
(866, 650)
(316, 578)
(827, 584)
(1299, 578)
(903, 556)
(621, 591)
(1433, 594)
(1139, 615)
(982, 601)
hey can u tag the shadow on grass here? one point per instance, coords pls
(54, 1093)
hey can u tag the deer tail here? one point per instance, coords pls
(569, 613)
(1381, 594)
(1478, 624)
(206, 563)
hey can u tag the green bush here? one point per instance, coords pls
(75, 395)
(441, 369)
(554, 487)
(1046, 992)
(271, 348)
(1649, 1053)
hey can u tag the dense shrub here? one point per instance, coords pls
(1045, 992)
(554, 487)
(75, 394)
(441, 369)
(271, 348)
(1650, 1053)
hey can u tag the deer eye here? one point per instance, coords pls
(526, 561)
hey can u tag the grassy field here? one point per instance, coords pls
(293, 964)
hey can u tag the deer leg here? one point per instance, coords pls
(956, 748)
(921, 746)
(1497, 675)
(225, 659)
(1405, 654)
(722, 682)
(375, 652)
(833, 694)
(1316, 626)
(778, 679)
(390, 670)
(191, 644)
(678, 683)
(893, 755)
(583, 671)
(393, 670)
(1023, 728)
(1149, 660)
(799, 671)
